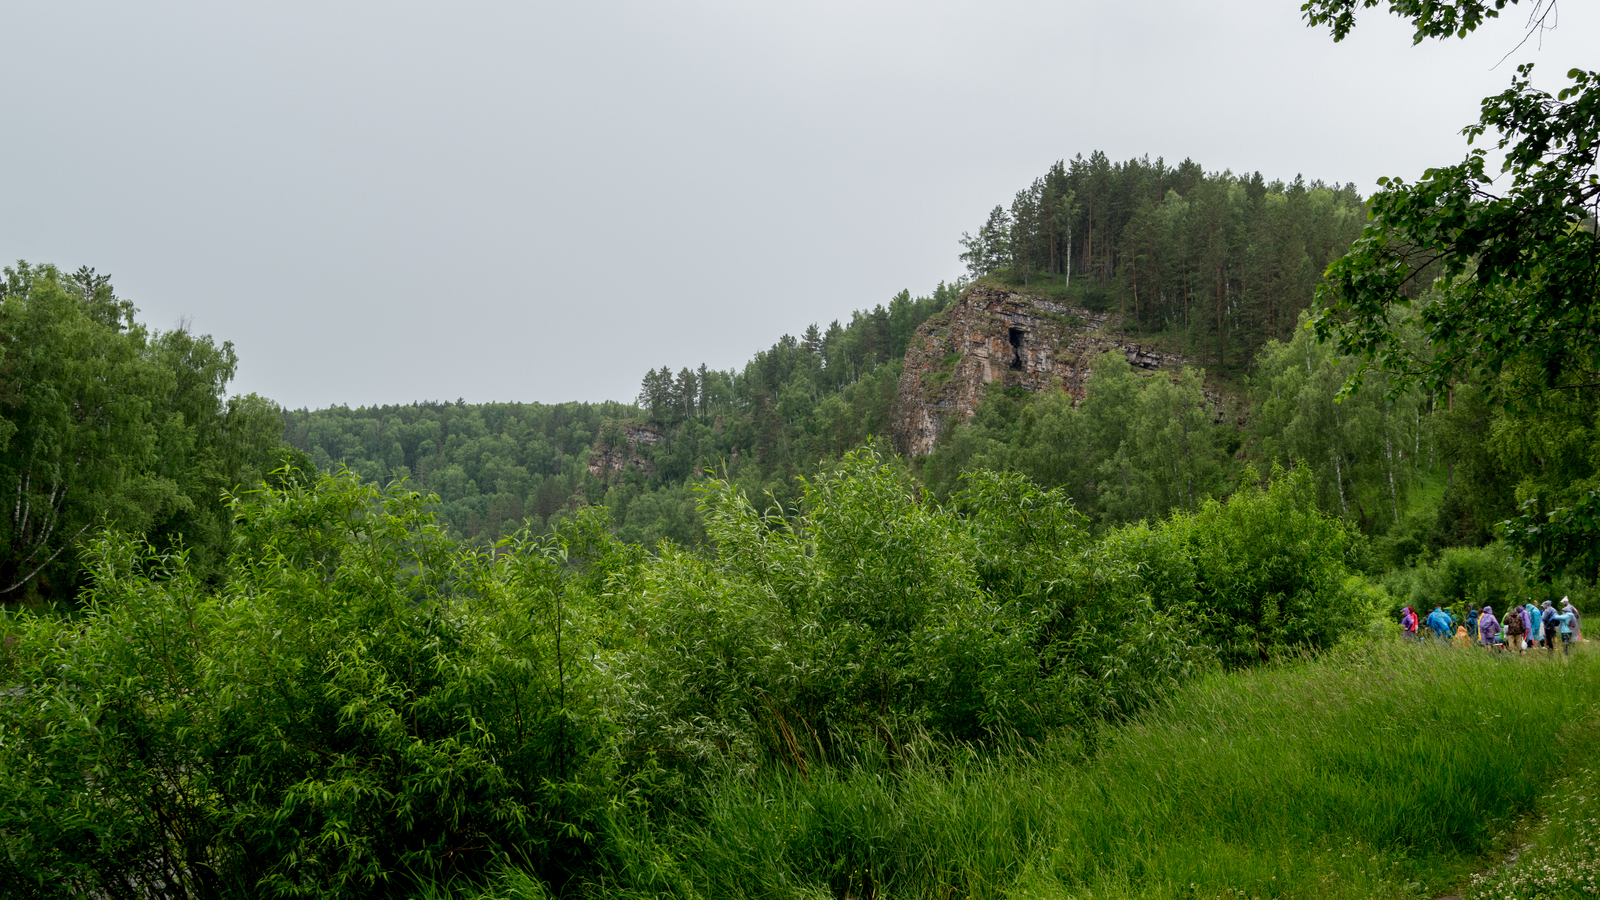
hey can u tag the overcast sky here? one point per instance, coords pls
(388, 202)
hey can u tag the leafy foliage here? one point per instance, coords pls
(1260, 575)
(1515, 274)
(1433, 19)
(1564, 539)
(1514, 306)
(1136, 447)
(359, 702)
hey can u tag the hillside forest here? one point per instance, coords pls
(1416, 470)
(723, 641)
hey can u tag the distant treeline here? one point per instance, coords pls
(496, 467)
(501, 467)
(830, 360)
(1225, 261)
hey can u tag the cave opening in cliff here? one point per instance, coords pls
(1015, 336)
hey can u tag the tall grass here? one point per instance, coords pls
(1562, 859)
(1385, 770)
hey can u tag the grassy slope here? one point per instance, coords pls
(1385, 771)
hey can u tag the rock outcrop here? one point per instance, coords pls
(996, 336)
(613, 456)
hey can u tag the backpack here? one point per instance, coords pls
(1514, 624)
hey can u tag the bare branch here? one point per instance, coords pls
(39, 568)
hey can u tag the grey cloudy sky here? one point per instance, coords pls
(387, 202)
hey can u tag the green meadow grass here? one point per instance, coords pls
(1385, 770)
(1390, 770)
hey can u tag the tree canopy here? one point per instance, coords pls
(1500, 272)
(1432, 19)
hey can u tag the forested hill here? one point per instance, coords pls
(1211, 265)
(1220, 283)
(1219, 262)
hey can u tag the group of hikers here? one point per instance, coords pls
(1521, 628)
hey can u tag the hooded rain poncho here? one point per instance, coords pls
(1488, 626)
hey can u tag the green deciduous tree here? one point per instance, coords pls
(1515, 267)
(1504, 273)
(1368, 449)
(106, 424)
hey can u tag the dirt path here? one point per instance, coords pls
(1510, 859)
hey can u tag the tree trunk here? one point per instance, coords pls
(1388, 453)
(1338, 470)
(1088, 243)
(1222, 341)
(1069, 254)
(1338, 477)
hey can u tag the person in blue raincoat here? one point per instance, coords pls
(1563, 622)
(1552, 626)
(1439, 622)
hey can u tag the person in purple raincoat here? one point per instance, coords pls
(1408, 622)
(1488, 627)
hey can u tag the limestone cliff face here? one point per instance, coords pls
(995, 336)
(610, 457)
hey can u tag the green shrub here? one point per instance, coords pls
(361, 702)
(876, 612)
(1462, 577)
(1263, 573)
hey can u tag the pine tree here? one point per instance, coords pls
(812, 340)
(703, 378)
(688, 388)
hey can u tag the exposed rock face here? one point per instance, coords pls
(1014, 339)
(609, 457)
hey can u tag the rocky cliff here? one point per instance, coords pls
(615, 453)
(996, 336)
